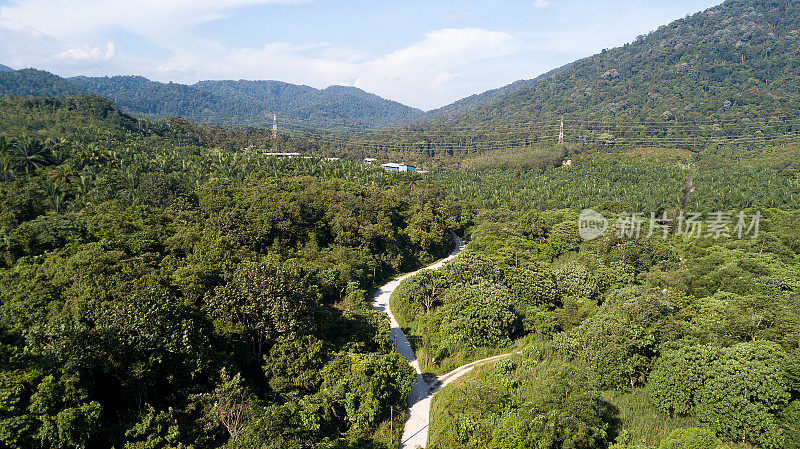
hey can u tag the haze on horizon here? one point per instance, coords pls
(420, 53)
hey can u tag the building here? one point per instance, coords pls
(391, 166)
(370, 160)
(289, 155)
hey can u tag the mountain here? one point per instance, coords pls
(737, 61)
(5, 68)
(466, 104)
(35, 83)
(333, 106)
(68, 116)
(222, 102)
(139, 96)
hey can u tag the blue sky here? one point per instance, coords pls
(422, 53)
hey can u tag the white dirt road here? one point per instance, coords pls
(415, 431)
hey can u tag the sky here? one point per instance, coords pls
(423, 53)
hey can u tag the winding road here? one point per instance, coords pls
(415, 431)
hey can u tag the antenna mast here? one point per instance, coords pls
(561, 133)
(274, 125)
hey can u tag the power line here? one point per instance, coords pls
(621, 132)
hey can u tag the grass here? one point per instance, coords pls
(388, 434)
(454, 361)
(462, 401)
(641, 420)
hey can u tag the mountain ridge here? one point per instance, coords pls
(738, 59)
(225, 102)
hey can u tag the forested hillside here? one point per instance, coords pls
(222, 102)
(162, 290)
(735, 61)
(35, 83)
(327, 108)
(164, 284)
(466, 104)
(725, 75)
(158, 291)
(628, 343)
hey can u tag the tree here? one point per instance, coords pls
(789, 437)
(294, 364)
(426, 229)
(67, 419)
(232, 405)
(575, 279)
(746, 392)
(560, 410)
(263, 301)
(155, 430)
(31, 154)
(429, 282)
(478, 315)
(564, 237)
(679, 377)
(363, 386)
(535, 286)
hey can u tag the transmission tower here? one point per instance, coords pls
(274, 125)
(561, 133)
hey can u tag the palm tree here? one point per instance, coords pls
(63, 174)
(30, 154)
(6, 145)
(6, 159)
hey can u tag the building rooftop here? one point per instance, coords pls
(282, 154)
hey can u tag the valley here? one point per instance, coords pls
(603, 256)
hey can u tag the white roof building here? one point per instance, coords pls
(391, 166)
(282, 154)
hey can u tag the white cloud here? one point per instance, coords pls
(72, 37)
(69, 18)
(442, 79)
(541, 3)
(87, 53)
(419, 73)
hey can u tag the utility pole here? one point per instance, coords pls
(274, 125)
(561, 133)
(391, 426)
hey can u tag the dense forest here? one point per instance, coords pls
(166, 287)
(166, 284)
(221, 102)
(161, 292)
(669, 343)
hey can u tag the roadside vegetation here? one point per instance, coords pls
(161, 292)
(627, 343)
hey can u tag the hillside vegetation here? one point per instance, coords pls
(161, 292)
(221, 102)
(722, 76)
(628, 343)
(735, 61)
